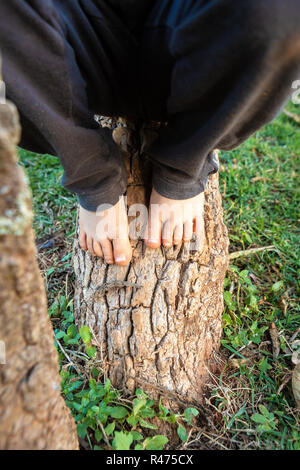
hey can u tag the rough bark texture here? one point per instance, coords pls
(33, 414)
(158, 321)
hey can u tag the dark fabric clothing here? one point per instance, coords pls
(216, 70)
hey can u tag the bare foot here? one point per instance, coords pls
(105, 233)
(172, 221)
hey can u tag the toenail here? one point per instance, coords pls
(151, 240)
(120, 258)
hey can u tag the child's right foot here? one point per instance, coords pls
(107, 240)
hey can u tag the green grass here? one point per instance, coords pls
(54, 207)
(251, 399)
(260, 188)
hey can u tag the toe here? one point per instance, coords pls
(82, 240)
(107, 249)
(97, 249)
(199, 231)
(122, 251)
(90, 245)
(153, 232)
(187, 231)
(199, 226)
(178, 234)
(167, 233)
(153, 240)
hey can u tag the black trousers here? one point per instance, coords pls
(216, 70)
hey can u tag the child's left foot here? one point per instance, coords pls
(172, 221)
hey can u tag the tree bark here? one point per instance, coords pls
(157, 321)
(33, 414)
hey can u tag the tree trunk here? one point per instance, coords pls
(158, 321)
(33, 414)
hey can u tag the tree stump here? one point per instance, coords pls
(33, 415)
(157, 321)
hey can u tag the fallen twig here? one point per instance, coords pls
(68, 357)
(293, 116)
(295, 335)
(275, 340)
(284, 383)
(251, 251)
(104, 433)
